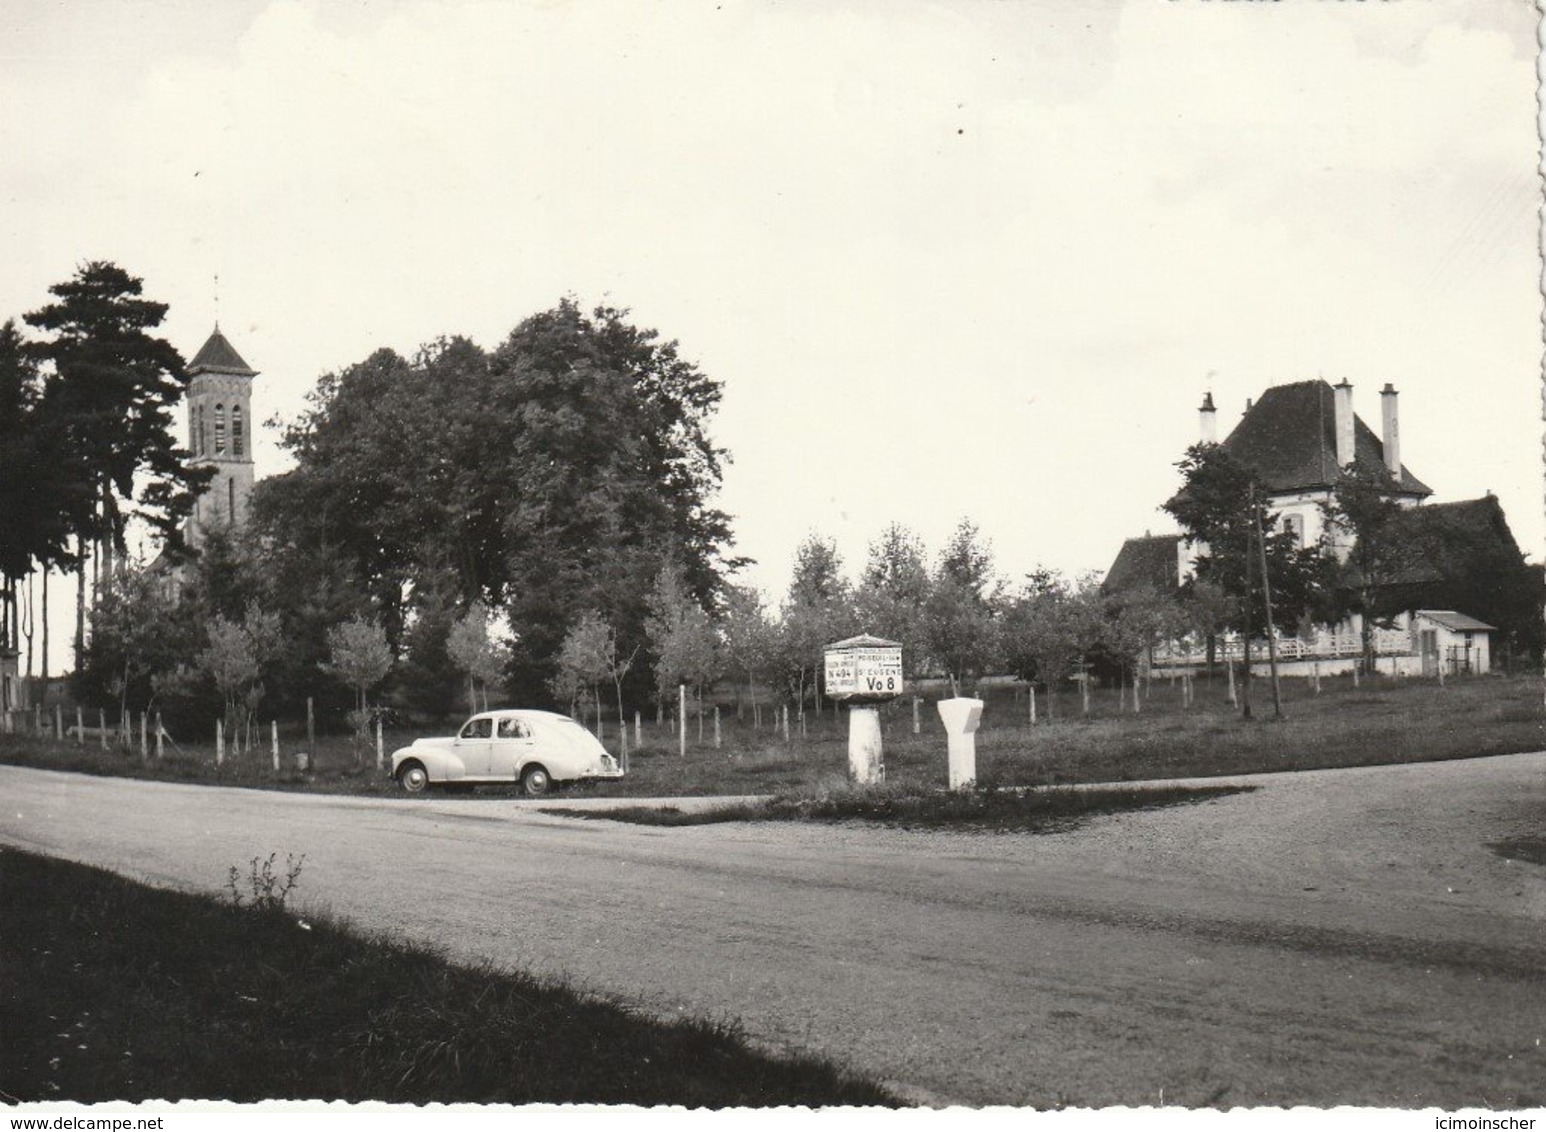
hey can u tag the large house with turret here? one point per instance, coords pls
(1462, 592)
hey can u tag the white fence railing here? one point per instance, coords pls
(1323, 646)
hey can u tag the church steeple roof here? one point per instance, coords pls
(218, 356)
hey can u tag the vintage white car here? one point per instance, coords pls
(532, 748)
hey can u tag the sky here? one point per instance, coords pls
(948, 260)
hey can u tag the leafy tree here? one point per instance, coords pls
(586, 658)
(750, 639)
(816, 611)
(426, 679)
(589, 656)
(471, 646)
(1362, 509)
(1221, 508)
(552, 475)
(893, 592)
(960, 615)
(681, 635)
(358, 654)
(1051, 626)
(234, 659)
(136, 633)
(1206, 611)
(1136, 621)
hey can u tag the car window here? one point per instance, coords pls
(512, 729)
(478, 729)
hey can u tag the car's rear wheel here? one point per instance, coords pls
(413, 778)
(535, 780)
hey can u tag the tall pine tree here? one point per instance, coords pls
(108, 394)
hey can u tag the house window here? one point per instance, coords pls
(219, 430)
(236, 430)
(1294, 525)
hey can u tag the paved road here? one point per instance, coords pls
(1333, 937)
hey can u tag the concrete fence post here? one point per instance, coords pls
(716, 727)
(102, 727)
(80, 727)
(380, 749)
(681, 720)
(144, 735)
(59, 722)
(961, 717)
(638, 733)
(219, 742)
(160, 733)
(273, 735)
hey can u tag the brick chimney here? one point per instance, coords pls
(1344, 422)
(1209, 418)
(1391, 430)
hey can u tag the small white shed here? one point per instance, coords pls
(1462, 644)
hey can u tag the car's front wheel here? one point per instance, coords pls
(413, 778)
(535, 780)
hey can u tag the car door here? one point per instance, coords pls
(472, 745)
(510, 747)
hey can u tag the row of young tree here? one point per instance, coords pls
(235, 631)
(956, 619)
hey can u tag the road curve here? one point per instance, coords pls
(1334, 937)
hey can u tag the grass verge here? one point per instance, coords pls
(1384, 721)
(1051, 810)
(116, 991)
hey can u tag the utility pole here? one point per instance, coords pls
(1245, 641)
(1266, 593)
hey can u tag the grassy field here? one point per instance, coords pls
(116, 991)
(1384, 721)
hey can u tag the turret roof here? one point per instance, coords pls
(218, 356)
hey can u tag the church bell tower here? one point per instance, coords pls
(220, 433)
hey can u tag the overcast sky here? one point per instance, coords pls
(947, 259)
